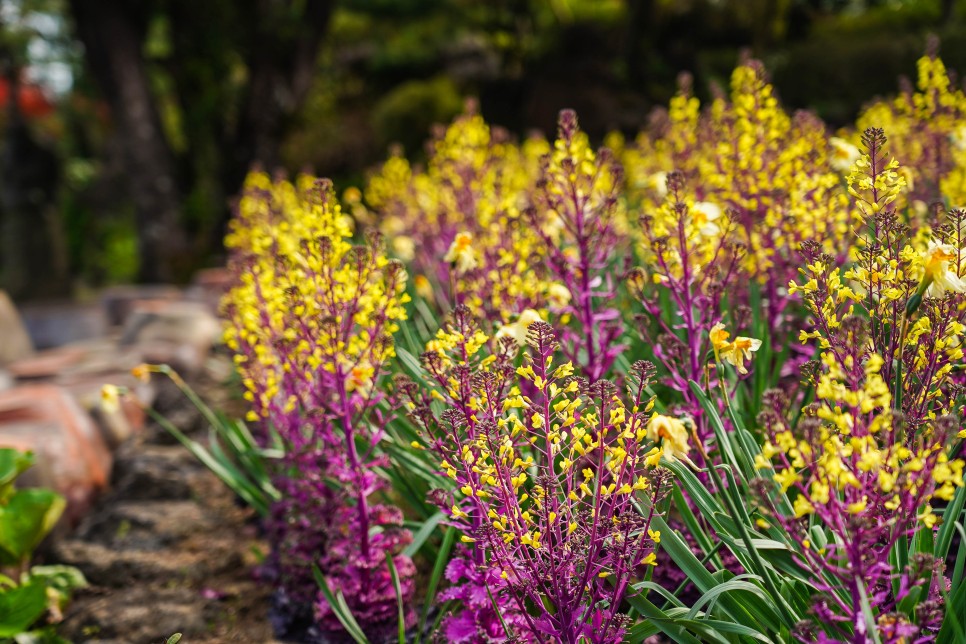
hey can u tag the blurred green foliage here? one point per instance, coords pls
(388, 70)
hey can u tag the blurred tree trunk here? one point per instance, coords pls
(227, 124)
(281, 56)
(112, 32)
(639, 37)
(34, 258)
(948, 11)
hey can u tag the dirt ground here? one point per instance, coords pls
(168, 549)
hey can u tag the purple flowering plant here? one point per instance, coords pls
(484, 452)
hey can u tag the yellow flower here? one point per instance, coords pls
(844, 154)
(461, 255)
(736, 352)
(703, 215)
(558, 295)
(518, 330)
(658, 183)
(404, 247)
(360, 379)
(142, 372)
(673, 436)
(110, 398)
(719, 338)
(939, 277)
(424, 287)
(958, 138)
(859, 506)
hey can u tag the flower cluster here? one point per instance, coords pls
(761, 180)
(312, 318)
(909, 285)
(536, 426)
(870, 456)
(926, 126)
(555, 479)
(852, 478)
(467, 209)
(691, 261)
(576, 215)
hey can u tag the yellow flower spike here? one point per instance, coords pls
(859, 506)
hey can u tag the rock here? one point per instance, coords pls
(209, 287)
(135, 525)
(119, 302)
(83, 368)
(156, 473)
(6, 380)
(106, 566)
(56, 324)
(46, 364)
(180, 334)
(16, 343)
(72, 457)
(140, 615)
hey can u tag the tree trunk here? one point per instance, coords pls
(281, 68)
(113, 36)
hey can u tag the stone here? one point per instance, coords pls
(46, 364)
(142, 614)
(179, 334)
(209, 287)
(103, 565)
(136, 525)
(72, 457)
(156, 472)
(56, 324)
(16, 343)
(118, 302)
(6, 380)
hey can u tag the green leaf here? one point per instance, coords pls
(429, 526)
(20, 607)
(438, 568)
(711, 629)
(26, 519)
(63, 580)
(656, 618)
(174, 639)
(257, 498)
(13, 463)
(410, 363)
(944, 538)
(401, 609)
(338, 605)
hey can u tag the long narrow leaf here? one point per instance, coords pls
(337, 604)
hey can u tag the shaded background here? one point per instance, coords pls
(127, 125)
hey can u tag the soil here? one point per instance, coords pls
(169, 549)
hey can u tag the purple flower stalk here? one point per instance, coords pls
(312, 322)
(548, 483)
(575, 215)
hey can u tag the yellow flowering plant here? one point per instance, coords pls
(567, 475)
(547, 469)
